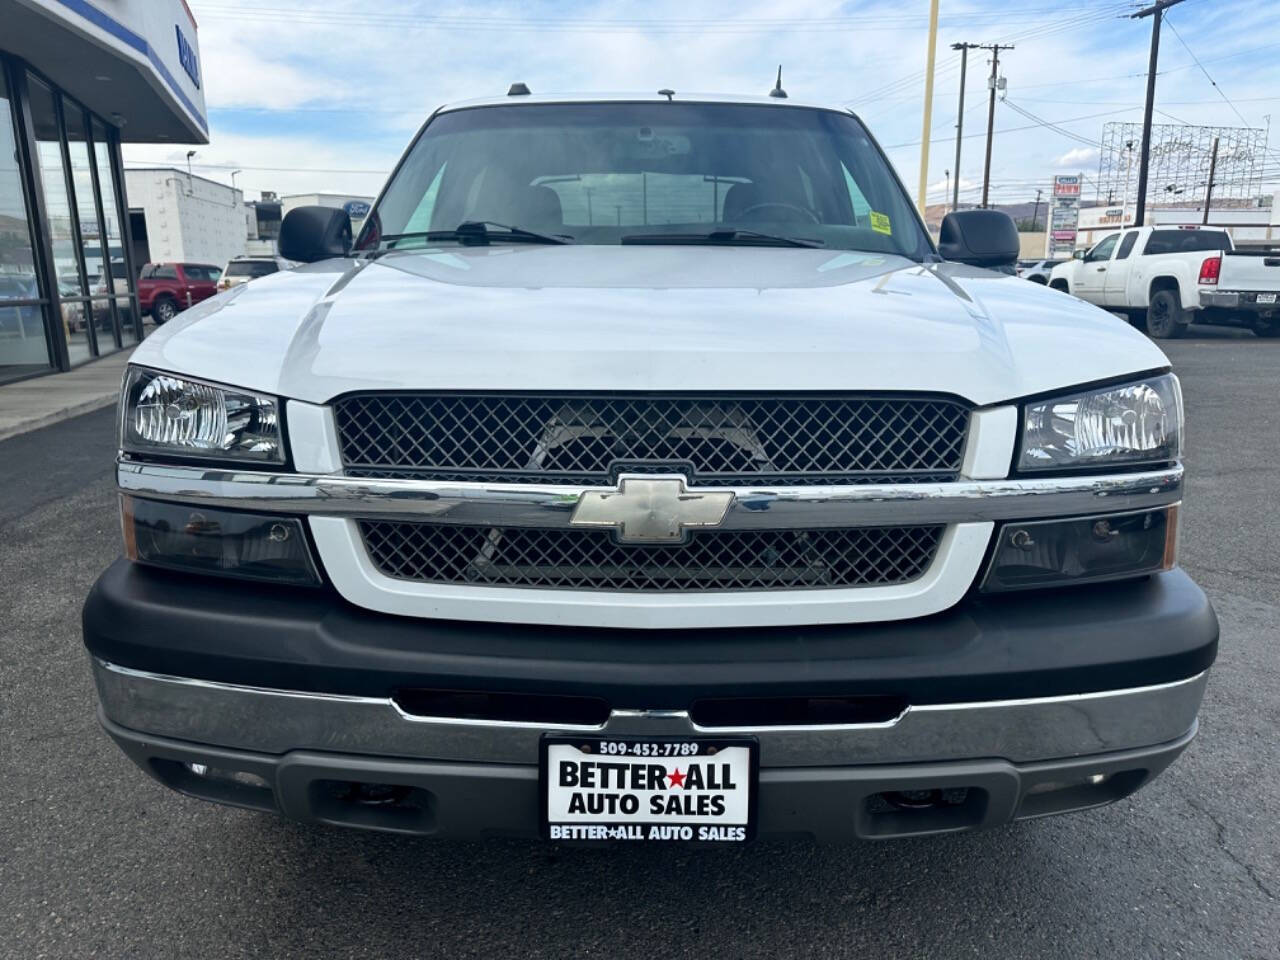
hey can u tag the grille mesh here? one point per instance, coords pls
(713, 439)
(592, 559)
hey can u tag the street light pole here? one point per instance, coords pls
(1156, 13)
(964, 62)
(1035, 216)
(928, 105)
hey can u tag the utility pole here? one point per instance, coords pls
(1035, 217)
(964, 62)
(928, 105)
(995, 49)
(1155, 12)
(1208, 189)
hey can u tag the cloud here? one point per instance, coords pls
(1080, 156)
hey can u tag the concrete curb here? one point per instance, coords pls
(57, 416)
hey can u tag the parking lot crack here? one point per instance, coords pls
(1221, 840)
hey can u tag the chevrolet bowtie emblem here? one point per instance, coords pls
(651, 509)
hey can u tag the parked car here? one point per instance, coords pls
(243, 269)
(1037, 271)
(19, 322)
(650, 474)
(1166, 278)
(166, 289)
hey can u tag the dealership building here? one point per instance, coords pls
(178, 217)
(77, 79)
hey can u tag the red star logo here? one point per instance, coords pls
(677, 778)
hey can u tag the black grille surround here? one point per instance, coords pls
(714, 439)
(725, 560)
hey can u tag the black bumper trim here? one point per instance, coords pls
(1104, 637)
(477, 800)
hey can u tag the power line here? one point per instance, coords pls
(1049, 125)
(1206, 73)
(490, 23)
(143, 165)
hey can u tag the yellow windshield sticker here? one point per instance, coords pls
(880, 223)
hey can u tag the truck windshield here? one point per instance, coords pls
(251, 268)
(611, 173)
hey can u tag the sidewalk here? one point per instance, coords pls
(31, 404)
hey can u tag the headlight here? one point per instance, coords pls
(172, 415)
(1133, 423)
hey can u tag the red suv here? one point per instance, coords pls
(165, 289)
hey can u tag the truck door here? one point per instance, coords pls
(199, 281)
(1116, 279)
(1092, 276)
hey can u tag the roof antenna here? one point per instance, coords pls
(518, 90)
(777, 90)
(665, 92)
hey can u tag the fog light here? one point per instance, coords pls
(1051, 553)
(225, 542)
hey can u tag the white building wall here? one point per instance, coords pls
(189, 219)
(1243, 224)
(337, 201)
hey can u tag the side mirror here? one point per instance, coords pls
(980, 238)
(308, 234)
(1078, 254)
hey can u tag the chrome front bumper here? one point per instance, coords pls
(277, 722)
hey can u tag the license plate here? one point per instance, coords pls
(649, 788)
(1266, 298)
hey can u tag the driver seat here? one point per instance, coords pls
(742, 196)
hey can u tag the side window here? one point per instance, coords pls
(166, 272)
(147, 273)
(861, 209)
(1103, 250)
(1126, 245)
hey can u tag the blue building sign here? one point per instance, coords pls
(356, 209)
(187, 57)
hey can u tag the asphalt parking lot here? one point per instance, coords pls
(98, 860)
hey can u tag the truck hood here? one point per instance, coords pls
(661, 318)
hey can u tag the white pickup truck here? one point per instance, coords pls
(1169, 277)
(643, 471)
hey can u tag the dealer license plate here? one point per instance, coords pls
(1266, 298)
(659, 788)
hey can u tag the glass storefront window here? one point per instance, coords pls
(82, 168)
(126, 309)
(112, 218)
(62, 219)
(24, 349)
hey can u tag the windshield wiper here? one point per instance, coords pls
(478, 232)
(726, 237)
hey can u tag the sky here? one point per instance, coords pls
(324, 95)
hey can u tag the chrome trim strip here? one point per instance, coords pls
(533, 505)
(276, 721)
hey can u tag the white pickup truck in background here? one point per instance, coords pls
(1165, 278)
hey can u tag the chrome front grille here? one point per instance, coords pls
(713, 439)
(708, 560)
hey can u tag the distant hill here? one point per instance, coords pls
(1019, 211)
